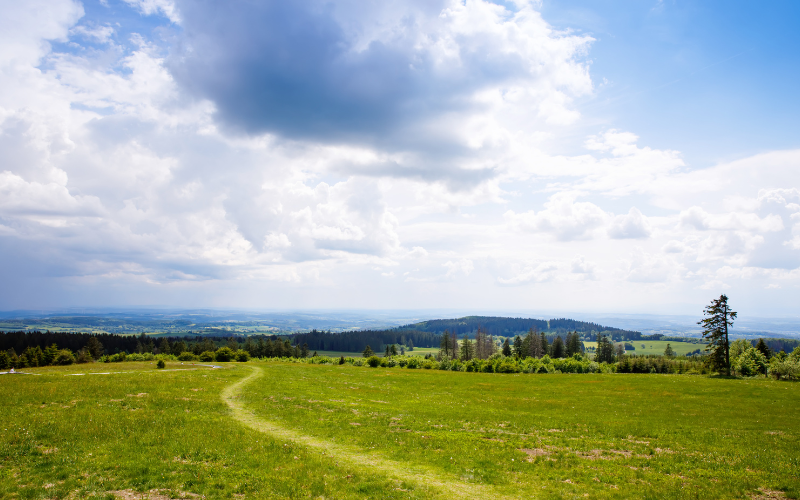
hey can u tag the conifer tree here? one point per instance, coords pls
(558, 348)
(163, 346)
(669, 352)
(393, 350)
(94, 347)
(410, 345)
(545, 345)
(518, 348)
(444, 346)
(467, 349)
(764, 349)
(718, 318)
(368, 352)
(304, 350)
(605, 350)
(506, 348)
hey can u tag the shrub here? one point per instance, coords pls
(84, 356)
(750, 362)
(787, 369)
(242, 356)
(374, 361)
(187, 356)
(413, 362)
(64, 357)
(224, 354)
(160, 364)
(207, 356)
(341, 360)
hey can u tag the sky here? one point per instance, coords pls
(598, 156)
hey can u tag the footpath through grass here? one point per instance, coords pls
(348, 432)
(139, 428)
(630, 436)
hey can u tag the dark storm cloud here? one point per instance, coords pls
(293, 68)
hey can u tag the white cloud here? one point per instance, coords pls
(563, 217)
(631, 225)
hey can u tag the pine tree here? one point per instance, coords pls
(558, 348)
(163, 347)
(233, 344)
(506, 348)
(467, 349)
(444, 346)
(393, 350)
(410, 345)
(669, 352)
(545, 345)
(304, 350)
(94, 347)
(764, 349)
(605, 350)
(368, 352)
(518, 347)
(715, 330)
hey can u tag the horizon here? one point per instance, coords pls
(613, 158)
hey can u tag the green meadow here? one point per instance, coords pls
(644, 347)
(295, 430)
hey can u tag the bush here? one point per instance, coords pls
(787, 369)
(224, 354)
(207, 356)
(374, 361)
(187, 356)
(84, 357)
(242, 356)
(160, 364)
(413, 362)
(64, 357)
(750, 362)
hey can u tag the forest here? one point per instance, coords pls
(510, 327)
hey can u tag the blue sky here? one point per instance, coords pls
(597, 156)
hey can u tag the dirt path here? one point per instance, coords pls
(448, 485)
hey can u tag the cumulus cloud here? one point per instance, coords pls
(352, 72)
(631, 225)
(532, 273)
(563, 217)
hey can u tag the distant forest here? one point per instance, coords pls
(511, 327)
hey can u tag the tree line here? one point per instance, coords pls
(511, 327)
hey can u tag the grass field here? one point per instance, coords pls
(657, 347)
(278, 430)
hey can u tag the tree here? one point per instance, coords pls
(444, 346)
(506, 348)
(573, 345)
(393, 350)
(94, 347)
(605, 350)
(764, 349)
(368, 352)
(304, 351)
(718, 318)
(233, 344)
(467, 349)
(410, 345)
(519, 351)
(545, 345)
(163, 347)
(669, 352)
(558, 348)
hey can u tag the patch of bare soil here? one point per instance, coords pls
(534, 452)
(768, 494)
(150, 495)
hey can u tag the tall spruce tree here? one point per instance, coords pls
(444, 346)
(368, 352)
(467, 349)
(518, 348)
(558, 347)
(718, 318)
(764, 349)
(605, 350)
(506, 348)
(545, 345)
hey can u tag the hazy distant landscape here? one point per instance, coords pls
(221, 321)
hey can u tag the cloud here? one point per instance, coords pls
(563, 217)
(631, 225)
(532, 273)
(349, 72)
(461, 266)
